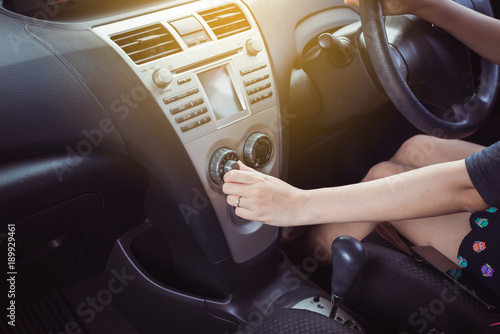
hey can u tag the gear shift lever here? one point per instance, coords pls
(348, 259)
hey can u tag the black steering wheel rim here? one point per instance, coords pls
(470, 115)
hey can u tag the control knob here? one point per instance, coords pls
(222, 161)
(162, 77)
(254, 46)
(258, 150)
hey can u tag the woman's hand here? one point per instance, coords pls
(397, 7)
(263, 198)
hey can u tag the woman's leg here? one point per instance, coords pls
(443, 233)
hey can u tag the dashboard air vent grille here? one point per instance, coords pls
(226, 20)
(148, 43)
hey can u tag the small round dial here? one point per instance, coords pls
(162, 77)
(222, 161)
(258, 150)
(254, 46)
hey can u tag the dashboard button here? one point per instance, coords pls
(197, 102)
(183, 118)
(263, 86)
(183, 80)
(181, 95)
(201, 111)
(256, 99)
(252, 91)
(267, 95)
(252, 69)
(205, 120)
(178, 109)
(190, 126)
(186, 106)
(249, 82)
(171, 99)
(262, 77)
(195, 124)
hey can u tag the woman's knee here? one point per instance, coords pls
(417, 151)
(423, 150)
(385, 169)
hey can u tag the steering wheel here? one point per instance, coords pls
(436, 91)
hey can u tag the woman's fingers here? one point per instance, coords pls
(244, 175)
(241, 206)
(232, 200)
(245, 214)
(238, 201)
(390, 7)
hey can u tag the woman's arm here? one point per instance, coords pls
(479, 32)
(430, 191)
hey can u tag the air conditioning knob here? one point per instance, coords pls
(254, 46)
(162, 77)
(222, 161)
(258, 150)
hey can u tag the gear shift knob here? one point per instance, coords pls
(348, 259)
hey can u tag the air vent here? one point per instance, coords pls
(226, 20)
(147, 43)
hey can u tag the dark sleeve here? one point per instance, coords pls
(484, 171)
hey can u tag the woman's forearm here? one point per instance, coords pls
(431, 191)
(479, 32)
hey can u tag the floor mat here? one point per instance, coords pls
(74, 310)
(50, 314)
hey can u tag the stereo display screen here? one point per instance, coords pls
(220, 92)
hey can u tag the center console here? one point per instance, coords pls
(207, 66)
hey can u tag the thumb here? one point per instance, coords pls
(243, 167)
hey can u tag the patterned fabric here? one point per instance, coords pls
(289, 321)
(479, 252)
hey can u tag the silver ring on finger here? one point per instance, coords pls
(238, 202)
